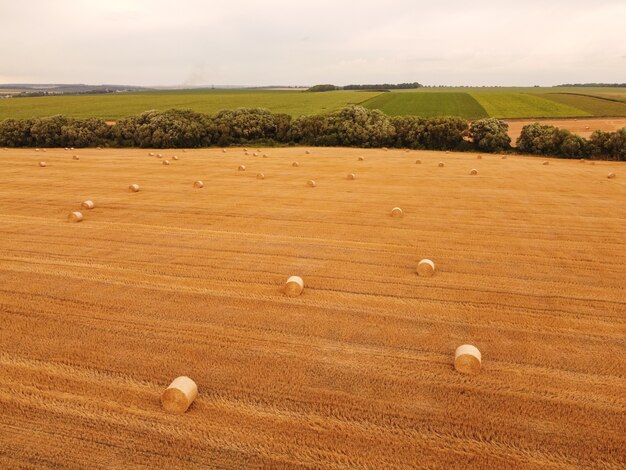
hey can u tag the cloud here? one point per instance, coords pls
(195, 42)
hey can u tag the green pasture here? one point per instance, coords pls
(427, 104)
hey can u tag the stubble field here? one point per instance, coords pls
(98, 317)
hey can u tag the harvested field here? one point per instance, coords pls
(358, 371)
(578, 126)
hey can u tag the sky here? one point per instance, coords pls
(276, 42)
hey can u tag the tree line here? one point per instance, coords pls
(353, 126)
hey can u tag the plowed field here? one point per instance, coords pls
(98, 317)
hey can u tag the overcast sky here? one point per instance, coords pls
(276, 42)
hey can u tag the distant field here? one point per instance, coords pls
(596, 106)
(520, 105)
(117, 106)
(428, 104)
(470, 103)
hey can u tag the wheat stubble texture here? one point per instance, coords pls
(97, 318)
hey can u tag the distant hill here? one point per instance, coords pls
(46, 89)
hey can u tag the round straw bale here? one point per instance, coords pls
(294, 286)
(479, 157)
(260, 176)
(611, 175)
(473, 171)
(407, 150)
(223, 150)
(546, 162)
(134, 188)
(42, 164)
(385, 149)
(582, 160)
(44, 150)
(66, 148)
(258, 150)
(245, 149)
(504, 157)
(426, 268)
(587, 128)
(151, 154)
(246, 153)
(71, 148)
(99, 148)
(307, 152)
(242, 168)
(418, 162)
(311, 183)
(396, 212)
(75, 217)
(159, 155)
(295, 164)
(361, 158)
(175, 157)
(198, 184)
(75, 157)
(255, 154)
(264, 155)
(593, 163)
(36, 150)
(179, 395)
(351, 176)
(441, 165)
(184, 150)
(166, 162)
(88, 204)
(447, 151)
(467, 359)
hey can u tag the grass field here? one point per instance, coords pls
(99, 317)
(427, 104)
(596, 106)
(116, 106)
(520, 105)
(470, 103)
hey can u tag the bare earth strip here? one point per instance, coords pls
(580, 126)
(98, 317)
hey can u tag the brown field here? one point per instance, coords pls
(578, 126)
(98, 317)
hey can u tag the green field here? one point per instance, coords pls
(522, 105)
(119, 105)
(595, 105)
(428, 104)
(470, 103)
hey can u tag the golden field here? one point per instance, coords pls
(98, 317)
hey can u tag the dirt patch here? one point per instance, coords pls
(580, 126)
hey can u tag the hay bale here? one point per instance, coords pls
(397, 212)
(175, 157)
(479, 157)
(426, 268)
(159, 155)
(467, 359)
(311, 183)
(166, 162)
(307, 152)
(246, 153)
(264, 155)
(66, 148)
(447, 151)
(351, 176)
(99, 148)
(593, 163)
(36, 150)
(545, 162)
(258, 150)
(223, 150)
(179, 395)
(151, 154)
(184, 150)
(385, 149)
(611, 175)
(260, 176)
(71, 148)
(473, 171)
(255, 154)
(242, 168)
(361, 158)
(198, 184)
(134, 188)
(441, 165)
(245, 149)
(44, 150)
(294, 286)
(504, 157)
(75, 157)
(75, 217)
(88, 204)
(418, 162)
(295, 164)
(42, 164)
